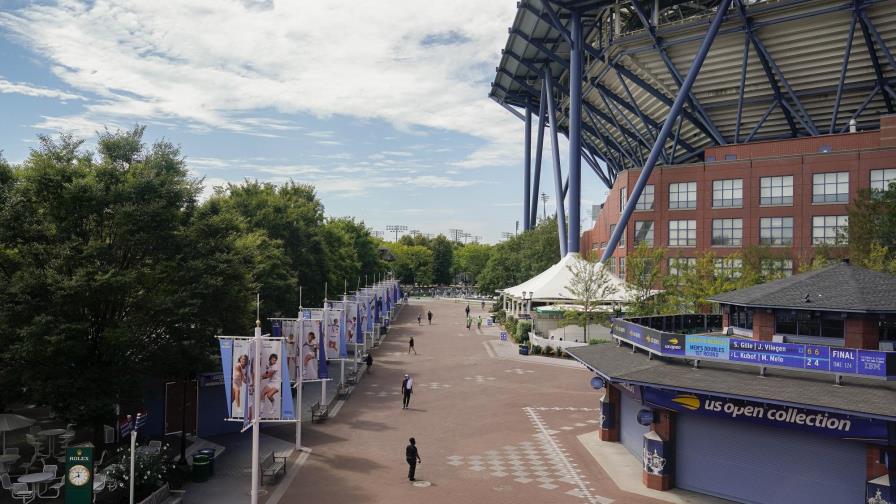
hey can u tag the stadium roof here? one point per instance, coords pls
(794, 72)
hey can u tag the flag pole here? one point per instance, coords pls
(299, 377)
(256, 431)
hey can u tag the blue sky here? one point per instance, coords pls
(381, 105)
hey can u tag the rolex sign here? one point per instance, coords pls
(78, 475)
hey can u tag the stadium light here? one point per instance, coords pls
(397, 228)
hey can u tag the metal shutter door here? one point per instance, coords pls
(631, 433)
(764, 465)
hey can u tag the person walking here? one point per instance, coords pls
(419, 318)
(411, 346)
(413, 457)
(429, 316)
(479, 323)
(482, 305)
(369, 361)
(407, 388)
(469, 322)
(467, 310)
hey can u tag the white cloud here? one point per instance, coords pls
(23, 88)
(416, 68)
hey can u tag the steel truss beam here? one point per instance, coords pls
(664, 55)
(555, 150)
(677, 106)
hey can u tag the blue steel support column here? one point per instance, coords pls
(527, 166)
(680, 98)
(555, 150)
(575, 132)
(539, 145)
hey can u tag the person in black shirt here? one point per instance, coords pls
(413, 458)
(429, 316)
(369, 361)
(407, 388)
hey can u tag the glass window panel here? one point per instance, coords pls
(683, 195)
(830, 187)
(776, 231)
(776, 190)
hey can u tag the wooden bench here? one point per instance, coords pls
(343, 390)
(352, 377)
(271, 465)
(319, 411)
(165, 495)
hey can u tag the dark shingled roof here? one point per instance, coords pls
(856, 396)
(840, 287)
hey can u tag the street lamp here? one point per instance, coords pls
(398, 228)
(544, 203)
(505, 235)
(456, 234)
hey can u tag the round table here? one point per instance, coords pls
(51, 436)
(37, 479)
(8, 459)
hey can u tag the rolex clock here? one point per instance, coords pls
(79, 475)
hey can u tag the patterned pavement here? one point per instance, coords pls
(489, 429)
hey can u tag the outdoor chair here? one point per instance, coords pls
(156, 445)
(56, 488)
(21, 491)
(35, 429)
(99, 484)
(51, 468)
(11, 451)
(70, 427)
(4, 479)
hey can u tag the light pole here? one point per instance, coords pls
(544, 202)
(397, 228)
(378, 234)
(505, 235)
(456, 234)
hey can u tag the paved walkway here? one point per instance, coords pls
(490, 426)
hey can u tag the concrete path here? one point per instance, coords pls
(491, 426)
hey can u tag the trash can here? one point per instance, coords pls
(210, 453)
(201, 467)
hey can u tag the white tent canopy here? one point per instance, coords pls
(551, 284)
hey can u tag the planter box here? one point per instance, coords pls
(524, 350)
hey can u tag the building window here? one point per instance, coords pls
(729, 266)
(645, 201)
(809, 324)
(829, 229)
(741, 316)
(830, 187)
(776, 268)
(727, 232)
(776, 231)
(622, 268)
(776, 190)
(622, 238)
(611, 265)
(683, 195)
(679, 265)
(595, 246)
(727, 193)
(612, 230)
(623, 197)
(881, 179)
(644, 233)
(682, 233)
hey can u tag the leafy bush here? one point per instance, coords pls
(535, 350)
(522, 330)
(510, 327)
(151, 470)
(499, 316)
(549, 351)
(595, 341)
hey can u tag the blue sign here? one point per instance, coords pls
(821, 422)
(847, 361)
(503, 335)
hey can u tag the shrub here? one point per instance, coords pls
(549, 351)
(535, 350)
(522, 330)
(151, 470)
(595, 341)
(510, 327)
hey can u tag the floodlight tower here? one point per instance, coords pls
(397, 228)
(378, 234)
(456, 234)
(505, 235)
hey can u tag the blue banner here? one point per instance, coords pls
(834, 360)
(287, 410)
(804, 419)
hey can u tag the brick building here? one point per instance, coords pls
(790, 195)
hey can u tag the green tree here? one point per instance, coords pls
(872, 228)
(644, 274)
(413, 263)
(471, 259)
(590, 282)
(521, 257)
(442, 259)
(108, 275)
